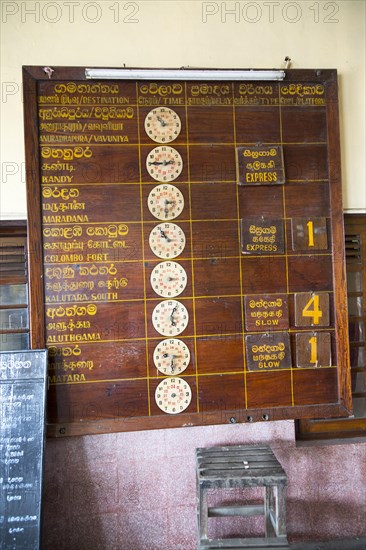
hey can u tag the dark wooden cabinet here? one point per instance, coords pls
(14, 314)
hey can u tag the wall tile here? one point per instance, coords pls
(136, 490)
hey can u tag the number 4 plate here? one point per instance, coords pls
(312, 309)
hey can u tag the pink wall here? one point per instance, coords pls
(136, 490)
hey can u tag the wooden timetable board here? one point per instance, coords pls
(186, 249)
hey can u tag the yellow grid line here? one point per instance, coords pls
(178, 143)
(178, 107)
(175, 182)
(108, 381)
(154, 298)
(228, 336)
(192, 254)
(286, 243)
(292, 255)
(240, 266)
(143, 266)
(175, 220)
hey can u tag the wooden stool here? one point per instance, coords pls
(242, 466)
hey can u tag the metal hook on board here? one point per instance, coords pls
(287, 62)
(48, 71)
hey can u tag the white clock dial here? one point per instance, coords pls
(165, 202)
(164, 163)
(162, 125)
(170, 318)
(171, 356)
(168, 279)
(167, 240)
(173, 395)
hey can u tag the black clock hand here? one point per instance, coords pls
(162, 122)
(161, 163)
(166, 211)
(164, 235)
(172, 363)
(172, 322)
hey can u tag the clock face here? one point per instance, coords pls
(164, 163)
(162, 125)
(173, 395)
(171, 356)
(168, 279)
(170, 318)
(167, 240)
(165, 202)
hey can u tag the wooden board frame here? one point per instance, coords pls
(33, 77)
(311, 429)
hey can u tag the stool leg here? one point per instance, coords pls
(269, 528)
(203, 514)
(281, 510)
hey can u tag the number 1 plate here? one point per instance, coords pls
(313, 349)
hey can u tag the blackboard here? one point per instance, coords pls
(22, 415)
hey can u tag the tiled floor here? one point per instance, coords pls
(355, 543)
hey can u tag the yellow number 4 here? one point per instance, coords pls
(316, 313)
